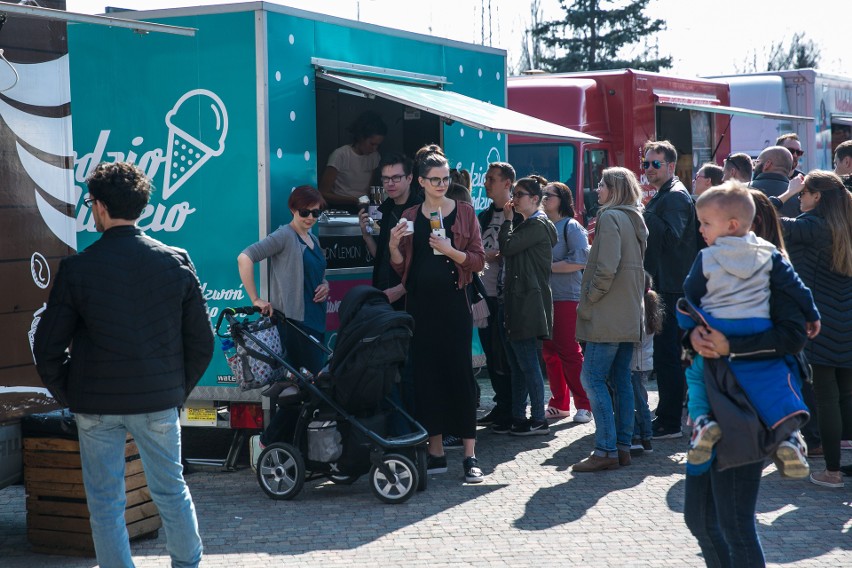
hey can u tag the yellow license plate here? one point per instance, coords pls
(201, 414)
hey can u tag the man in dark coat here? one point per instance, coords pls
(672, 246)
(123, 340)
(771, 176)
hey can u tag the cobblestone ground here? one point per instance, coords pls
(531, 511)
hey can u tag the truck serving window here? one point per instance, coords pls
(556, 162)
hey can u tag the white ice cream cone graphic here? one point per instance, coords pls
(199, 111)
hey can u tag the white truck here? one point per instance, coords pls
(822, 101)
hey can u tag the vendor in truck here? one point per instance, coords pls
(350, 168)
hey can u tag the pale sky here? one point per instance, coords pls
(703, 38)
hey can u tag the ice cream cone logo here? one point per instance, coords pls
(202, 112)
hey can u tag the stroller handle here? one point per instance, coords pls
(231, 312)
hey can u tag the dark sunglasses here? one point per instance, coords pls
(315, 213)
(88, 201)
(798, 153)
(549, 195)
(656, 164)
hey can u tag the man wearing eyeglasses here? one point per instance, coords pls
(772, 176)
(396, 180)
(791, 142)
(672, 247)
(123, 340)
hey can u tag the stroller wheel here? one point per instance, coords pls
(281, 471)
(399, 485)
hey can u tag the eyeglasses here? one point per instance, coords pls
(656, 164)
(315, 213)
(549, 195)
(88, 201)
(519, 194)
(395, 179)
(798, 153)
(437, 182)
(699, 176)
(804, 191)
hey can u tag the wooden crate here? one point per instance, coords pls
(57, 514)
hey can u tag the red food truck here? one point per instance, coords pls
(624, 108)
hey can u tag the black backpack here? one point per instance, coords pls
(371, 348)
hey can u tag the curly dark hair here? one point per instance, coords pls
(121, 187)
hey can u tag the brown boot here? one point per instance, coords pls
(623, 457)
(595, 463)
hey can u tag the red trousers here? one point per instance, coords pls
(564, 359)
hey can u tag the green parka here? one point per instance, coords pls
(527, 250)
(611, 308)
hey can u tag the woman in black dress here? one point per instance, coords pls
(436, 267)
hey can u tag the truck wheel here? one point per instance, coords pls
(400, 485)
(281, 471)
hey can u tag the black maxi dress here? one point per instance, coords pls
(444, 387)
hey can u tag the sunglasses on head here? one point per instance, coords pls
(656, 164)
(315, 213)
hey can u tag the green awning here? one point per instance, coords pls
(459, 108)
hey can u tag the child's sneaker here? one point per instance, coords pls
(790, 457)
(705, 434)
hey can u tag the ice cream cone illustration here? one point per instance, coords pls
(198, 125)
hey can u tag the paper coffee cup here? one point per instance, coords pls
(409, 228)
(439, 233)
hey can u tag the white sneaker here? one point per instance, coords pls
(583, 416)
(255, 448)
(553, 413)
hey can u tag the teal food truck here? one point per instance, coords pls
(227, 122)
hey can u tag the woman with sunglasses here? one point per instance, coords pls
(819, 242)
(298, 288)
(436, 266)
(526, 245)
(297, 284)
(610, 316)
(562, 354)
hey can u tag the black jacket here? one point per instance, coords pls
(772, 185)
(672, 236)
(808, 239)
(130, 311)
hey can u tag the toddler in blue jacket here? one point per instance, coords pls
(730, 283)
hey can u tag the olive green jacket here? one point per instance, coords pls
(611, 308)
(527, 250)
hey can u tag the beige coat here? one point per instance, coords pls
(611, 306)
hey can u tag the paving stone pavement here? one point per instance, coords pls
(530, 511)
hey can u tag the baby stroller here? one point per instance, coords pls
(339, 420)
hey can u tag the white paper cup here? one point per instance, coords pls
(409, 228)
(439, 233)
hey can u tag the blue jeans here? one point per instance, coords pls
(642, 420)
(719, 511)
(526, 379)
(157, 435)
(603, 362)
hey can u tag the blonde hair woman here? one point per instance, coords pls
(610, 316)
